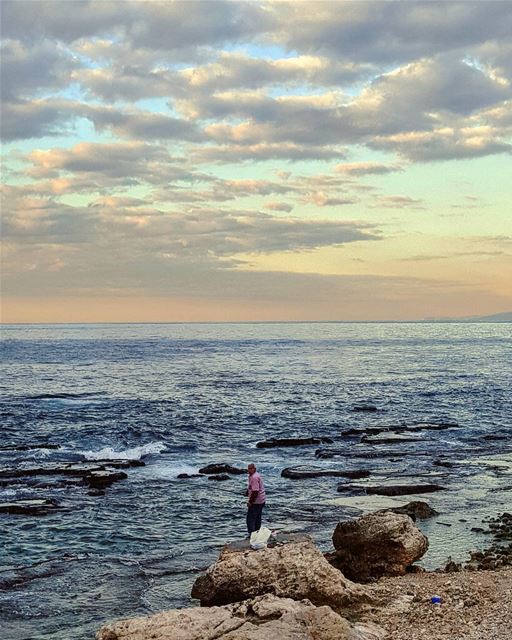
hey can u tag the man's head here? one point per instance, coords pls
(251, 468)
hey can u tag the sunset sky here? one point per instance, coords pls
(255, 160)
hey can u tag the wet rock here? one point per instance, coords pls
(403, 489)
(28, 447)
(96, 493)
(292, 442)
(296, 570)
(305, 471)
(186, 476)
(389, 490)
(375, 545)
(370, 408)
(259, 618)
(392, 439)
(219, 477)
(452, 567)
(102, 479)
(35, 507)
(415, 510)
(221, 468)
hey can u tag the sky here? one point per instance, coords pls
(241, 161)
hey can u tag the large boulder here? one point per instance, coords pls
(261, 618)
(375, 545)
(295, 570)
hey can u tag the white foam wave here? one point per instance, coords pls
(135, 453)
(167, 471)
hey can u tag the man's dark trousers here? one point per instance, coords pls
(254, 517)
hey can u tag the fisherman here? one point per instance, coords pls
(256, 499)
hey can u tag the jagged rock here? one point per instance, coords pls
(35, 507)
(221, 468)
(415, 510)
(377, 544)
(296, 570)
(220, 477)
(292, 442)
(186, 476)
(306, 471)
(260, 618)
(371, 408)
(102, 479)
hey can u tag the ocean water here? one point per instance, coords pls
(179, 396)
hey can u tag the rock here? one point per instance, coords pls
(390, 439)
(260, 618)
(220, 477)
(28, 447)
(371, 408)
(415, 510)
(292, 442)
(102, 479)
(36, 507)
(221, 468)
(296, 570)
(375, 545)
(305, 471)
(184, 476)
(402, 489)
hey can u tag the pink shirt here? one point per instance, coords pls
(256, 484)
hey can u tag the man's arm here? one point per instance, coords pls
(253, 496)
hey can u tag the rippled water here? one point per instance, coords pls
(181, 396)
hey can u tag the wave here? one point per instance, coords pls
(135, 453)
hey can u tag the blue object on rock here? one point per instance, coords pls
(436, 600)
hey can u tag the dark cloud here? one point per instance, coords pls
(388, 31)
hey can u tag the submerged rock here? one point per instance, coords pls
(102, 479)
(304, 471)
(292, 442)
(186, 476)
(296, 570)
(219, 477)
(259, 618)
(35, 507)
(377, 544)
(415, 510)
(221, 468)
(371, 408)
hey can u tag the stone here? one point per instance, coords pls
(306, 471)
(402, 489)
(417, 509)
(186, 476)
(292, 442)
(102, 479)
(220, 477)
(34, 507)
(377, 544)
(221, 468)
(296, 570)
(260, 618)
(370, 408)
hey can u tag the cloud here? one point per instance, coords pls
(366, 168)
(279, 206)
(398, 202)
(389, 32)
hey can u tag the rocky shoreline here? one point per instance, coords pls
(367, 589)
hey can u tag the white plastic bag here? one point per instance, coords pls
(260, 538)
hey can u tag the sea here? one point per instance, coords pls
(180, 396)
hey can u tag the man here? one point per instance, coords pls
(256, 501)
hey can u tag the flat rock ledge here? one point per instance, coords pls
(261, 618)
(296, 570)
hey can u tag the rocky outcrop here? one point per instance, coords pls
(415, 510)
(295, 570)
(260, 618)
(292, 442)
(34, 507)
(390, 490)
(305, 471)
(221, 467)
(375, 545)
